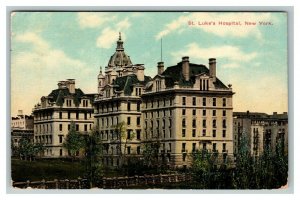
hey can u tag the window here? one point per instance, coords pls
(60, 138)
(77, 115)
(194, 112)
(128, 120)
(183, 122)
(128, 134)
(69, 115)
(170, 147)
(138, 106)
(60, 127)
(128, 150)
(157, 112)
(214, 133)
(224, 102)
(214, 146)
(203, 112)
(224, 133)
(214, 101)
(183, 147)
(158, 103)
(204, 146)
(183, 111)
(194, 123)
(128, 106)
(204, 101)
(194, 147)
(184, 101)
(224, 147)
(60, 115)
(204, 132)
(194, 133)
(138, 150)
(77, 127)
(60, 152)
(85, 115)
(204, 123)
(138, 134)
(68, 127)
(224, 123)
(183, 132)
(138, 121)
(214, 113)
(214, 123)
(224, 113)
(194, 101)
(85, 127)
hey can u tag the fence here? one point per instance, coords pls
(106, 183)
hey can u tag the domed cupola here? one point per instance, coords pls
(119, 58)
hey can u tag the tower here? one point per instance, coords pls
(101, 80)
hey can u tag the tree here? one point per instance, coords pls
(74, 141)
(93, 157)
(27, 149)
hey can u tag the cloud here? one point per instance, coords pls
(42, 55)
(181, 24)
(93, 20)
(109, 35)
(230, 53)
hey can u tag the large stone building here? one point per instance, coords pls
(185, 108)
(54, 114)
(21, 127)
(118, 106)
(261, 131)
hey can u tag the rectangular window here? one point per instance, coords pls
(183, 147)
(138, 134)
(85, 116)
(194, 112)
(194, 147)
(183, 111)
(214, 113)
(128, 106)
(138, 106)
(224, 147)
(85, 127)
(138, 150)
(214, 123)
(77, 115)
(60, 138)
(184, 101)
(60, 115)
(138, 121)
(204, 146)
(224, 102)
(69, 115)
(183, 123)
(224, 113)
(128, 120)
(194, 123)
(204, 101)
(158, 103)
(224, 133)
(203, 113)
(224, 123)
(170, 147)
(60, 152)
(128, 150)
(194, 101)
(214, 101)
(194, 133)
(77, 127)
(128, 134)
(214, 146)
(68, 127)
(214, 133)
(204, 132)
(183, 132)
(60, 127)
(204, 123)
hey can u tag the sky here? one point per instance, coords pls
(47, 47)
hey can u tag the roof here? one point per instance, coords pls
(174, 74)
(125, 83)
(58, 95)
(259, 115)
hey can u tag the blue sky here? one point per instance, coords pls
(47, 47)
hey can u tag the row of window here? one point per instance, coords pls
(159, 102)
(77, 115)
(112, 134)
(204, 112)
(194, 123)
(204, 147)
(194, 101)
(45, 139)
(43, 128)
(85, 127)
(111, 107)
(84, 103)
(214, 133)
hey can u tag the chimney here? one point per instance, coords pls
(186, 68)
(71, 85)
(140, 72)
(160, 68)
(212, 68)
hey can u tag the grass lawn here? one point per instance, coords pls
(46, 169)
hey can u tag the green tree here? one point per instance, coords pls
(28, 150)
(93, 157)
(74, 141)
